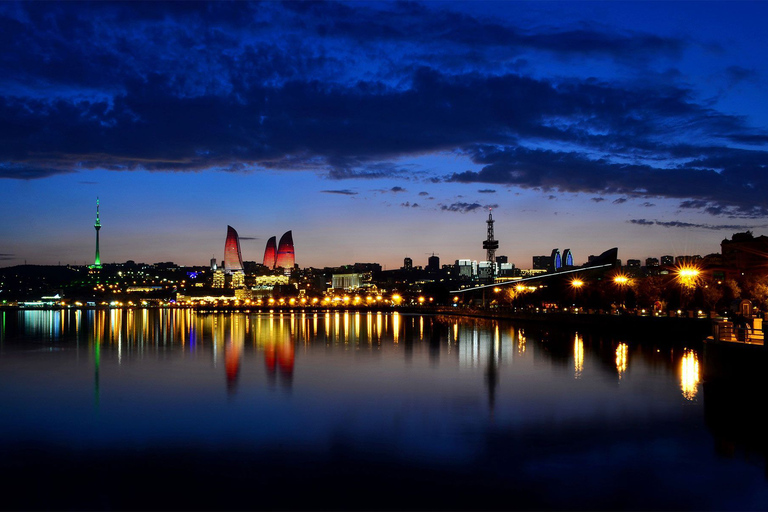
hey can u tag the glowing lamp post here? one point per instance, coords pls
(688, 276)
(622, 282)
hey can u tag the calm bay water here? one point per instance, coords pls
(173, 409)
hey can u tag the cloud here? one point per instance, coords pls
(597, 199)
(487, 191)
(466, 207)
(423, 193)
(620, 200)
(280, 86)
(408, 204)
(737, 74)
(344, 192)
(397, 189)
(689, 225)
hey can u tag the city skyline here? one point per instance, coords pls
(380, 131)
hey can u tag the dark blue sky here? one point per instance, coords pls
(380, 130)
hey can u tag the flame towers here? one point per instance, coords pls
(286, 257)
(233, 259)
(280, 255)
(270, 253)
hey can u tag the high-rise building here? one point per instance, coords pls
(219, 279)
(286, 257)
(567, 258)
(465, 268)
(97, 225)
(556, 261)
(542, 262)
(238, 279)
(270, 253)
(433, 263)
(667, 261)
(407, 263)
(233, 260)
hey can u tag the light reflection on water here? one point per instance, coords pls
(427, 391)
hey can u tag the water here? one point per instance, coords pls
(164, 409)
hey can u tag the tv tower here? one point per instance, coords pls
(97, 225)
(490, 245)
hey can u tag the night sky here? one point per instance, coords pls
(377, 131)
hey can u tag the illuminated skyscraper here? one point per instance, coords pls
(285, 254)
(233, 260)
(97, 225)
(568, 258)
(270, 253)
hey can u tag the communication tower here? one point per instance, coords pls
(490, 245)
(97, 225)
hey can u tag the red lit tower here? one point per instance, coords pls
(233, 260)
(285, 254)
(270, 253)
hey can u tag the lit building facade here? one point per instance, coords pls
(233, 259)
(219, 279)
(286, 257)
(238, 280)
(270, 253)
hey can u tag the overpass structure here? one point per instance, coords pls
(605, 260)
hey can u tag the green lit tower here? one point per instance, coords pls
(97, 225)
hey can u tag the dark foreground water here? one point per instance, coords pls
(159, 409)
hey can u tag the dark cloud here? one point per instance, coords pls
(239, 87)
(598, 199)
(466, 207)
(397, 189)
(487, 191)
(728, 180)
(248, 238)
(408, 204)
(620, 200)
(687, 225)
(423, 193)
(737, 74)
(344, 192)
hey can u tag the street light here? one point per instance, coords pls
(621, 280)
(688, 276)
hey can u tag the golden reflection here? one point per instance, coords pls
(621, 359)
(421, 328)
(396, 326)
(578, 356)
(378, 326)
(346, 327)
(337, 326)
(521, 342)
(689, 374)
(357, 328)
(369, 327)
